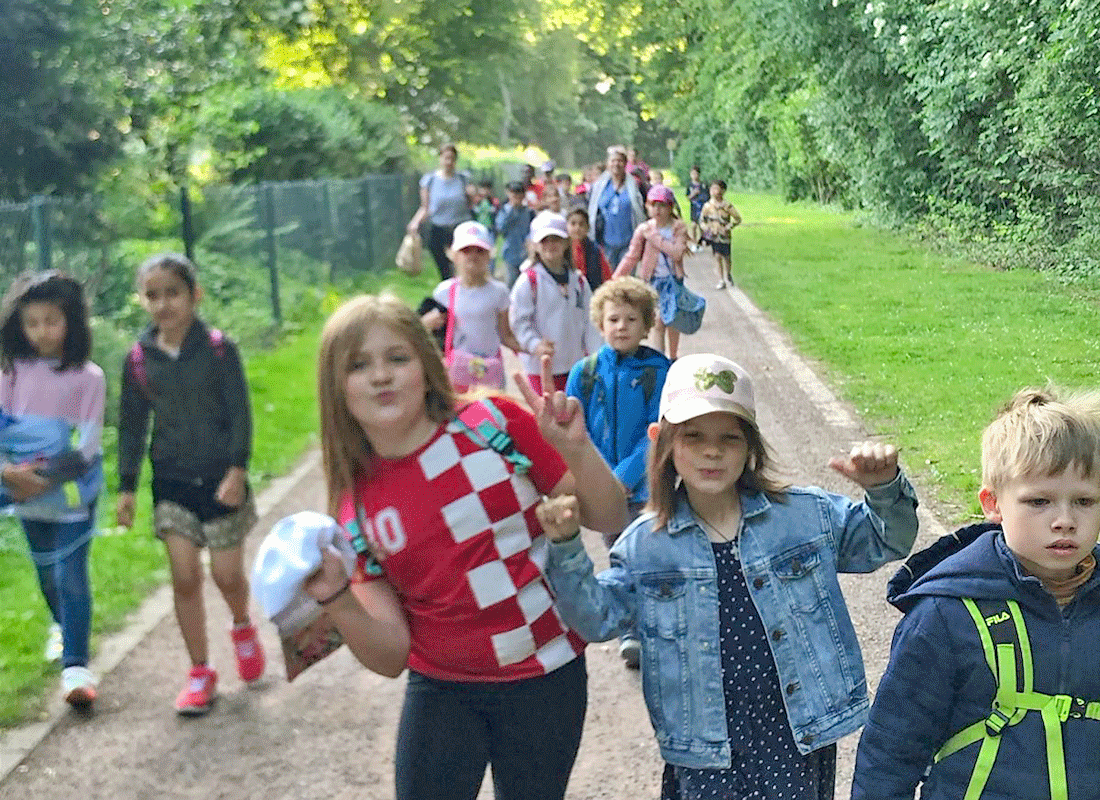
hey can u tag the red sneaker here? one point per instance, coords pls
(197, 697)
(249, 652)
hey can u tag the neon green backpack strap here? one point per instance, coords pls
(1003, 635)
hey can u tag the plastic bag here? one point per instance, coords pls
(286, 558)
(410, 254)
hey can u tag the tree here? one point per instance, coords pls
(54, 129)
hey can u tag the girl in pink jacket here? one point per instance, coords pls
(659, 245)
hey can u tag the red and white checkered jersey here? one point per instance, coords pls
(466, 553)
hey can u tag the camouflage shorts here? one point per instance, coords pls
(218, 534)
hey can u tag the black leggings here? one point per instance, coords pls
(528, 730)
(439, 239)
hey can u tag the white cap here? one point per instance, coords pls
(472, 234)
(548, 223)
(701, 384)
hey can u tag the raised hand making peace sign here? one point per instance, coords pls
(560, 417)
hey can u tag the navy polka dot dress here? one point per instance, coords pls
(766, 762)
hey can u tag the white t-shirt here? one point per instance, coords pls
(476, 309)
(664, 263)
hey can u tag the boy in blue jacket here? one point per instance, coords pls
(993, 686)
(513, 223)
(619, 388)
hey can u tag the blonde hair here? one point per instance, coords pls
(1039, 433)
(345, 449)
(627, 291)
(758, 475)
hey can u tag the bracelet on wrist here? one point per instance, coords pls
(335, 595)
(569, 538)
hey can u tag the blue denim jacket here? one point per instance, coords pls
(663, 583)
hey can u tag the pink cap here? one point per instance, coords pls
(700, 383)
(659, 194)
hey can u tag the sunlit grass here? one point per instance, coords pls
(926, 348)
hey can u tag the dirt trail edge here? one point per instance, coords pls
(331, 733)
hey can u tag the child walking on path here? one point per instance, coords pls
(513, 223)
(476, 313)
(993, 685)
(751, 669)
(659, 244)
(588, 258)
(697, 198)
(191, 379)
(49, 383)
(619, 388)
(717, 218)
(549, 306)
(445, 493)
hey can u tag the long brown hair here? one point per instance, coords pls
(345, 448)
(758, 475)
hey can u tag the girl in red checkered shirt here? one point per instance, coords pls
(495, 676)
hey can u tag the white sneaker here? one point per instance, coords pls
(55, 644)
(630, 650)
(720, 285)
(78, 686)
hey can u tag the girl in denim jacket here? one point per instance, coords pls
(751, 669)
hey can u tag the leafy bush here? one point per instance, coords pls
(305, 134)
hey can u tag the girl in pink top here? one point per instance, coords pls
(659, 244)
(48, 381)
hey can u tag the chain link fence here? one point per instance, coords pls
(305, 232)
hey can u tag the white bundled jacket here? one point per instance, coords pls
(545, 311)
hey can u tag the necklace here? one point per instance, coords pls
(716, 530)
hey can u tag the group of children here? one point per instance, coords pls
(712, 218)
(751, 668)
(475, 579)
(189, 378)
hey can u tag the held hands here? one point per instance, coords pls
(560, 517)
(544, 348)
(560, 418)
(434, 320)
(868, 464)
(331, 578)
(231, 491)
(22, 482)
(124, 509)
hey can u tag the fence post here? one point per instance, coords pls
(368, 225)
(188, 230)
(330, 238)
(40, 216)
(272, 249)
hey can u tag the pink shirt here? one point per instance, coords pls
(34, 387)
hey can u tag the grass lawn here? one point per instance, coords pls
(126, 565)
(924, 347)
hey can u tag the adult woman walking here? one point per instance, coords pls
(615, 207)
(443, 200)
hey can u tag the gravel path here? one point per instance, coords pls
(331, 733)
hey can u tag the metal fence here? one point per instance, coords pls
(312, 231)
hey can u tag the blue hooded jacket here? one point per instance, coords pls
(47, 440)
(620, 408)
(938, 682)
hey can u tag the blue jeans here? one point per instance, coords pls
(60, 554)
(528, 730)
